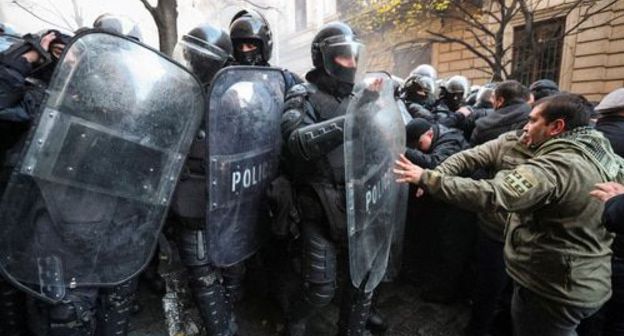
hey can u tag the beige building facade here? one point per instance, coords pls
(589, 61)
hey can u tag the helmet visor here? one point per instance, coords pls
(341, 57)
(201, 58)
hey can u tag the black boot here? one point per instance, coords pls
(212, 302)
(12, 310)
(115, 308)
(233, 278)
(376, 323)
(354, 312)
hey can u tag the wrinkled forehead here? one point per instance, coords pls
(536, 111)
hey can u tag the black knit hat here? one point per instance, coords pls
(415, 128)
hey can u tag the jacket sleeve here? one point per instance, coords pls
(13, 72)
(613, 215)
(306, 138)
(522, 188)
(438, 154)
(470, 160)
(454, 120)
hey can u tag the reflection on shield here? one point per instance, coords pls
(86, 202)
(374, 138)
(244, 143)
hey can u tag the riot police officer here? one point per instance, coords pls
(453, 92)
(204, 50)
(425, 70)
(118, 24)
(418, 95)
(252, 41)
(312, 128)
(452, 95)
(79, 310)
(24, 68)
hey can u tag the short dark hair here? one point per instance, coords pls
(543, 88)
(512, 92)
(573, 108)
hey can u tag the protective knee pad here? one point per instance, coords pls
(12, 310)
(319, 257)
(114, 309)
(319, 295)
(212, 302)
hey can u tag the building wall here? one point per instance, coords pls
(592, 62)
(596, 55)
(294, 52)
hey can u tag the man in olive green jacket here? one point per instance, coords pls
(556, 249)
(489, 304)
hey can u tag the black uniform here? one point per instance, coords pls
(188, 207)
(21, 100)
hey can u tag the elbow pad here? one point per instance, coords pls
(313, 141)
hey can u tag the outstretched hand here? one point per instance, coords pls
(32, 56)
(375, 85)
(604, 191)
(406, 171)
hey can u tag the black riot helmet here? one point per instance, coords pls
(484, 95)
(418, 89)
(118, 24)
(333, 41)
(454, 92)
(457, 84)
(204, 51)
(249, 26)
(426, 70)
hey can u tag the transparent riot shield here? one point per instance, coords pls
(244, 142)
(396, 250)
(85, 204)
(374, 138)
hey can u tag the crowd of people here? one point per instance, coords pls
(520, 185)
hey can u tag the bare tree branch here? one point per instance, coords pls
(485, 71)
(490, 12)
(474, 21)
(482, 44)
(589, 15)
(78, 14)
(60, 14)
(29, 11)
(470, 23)
(149, 7)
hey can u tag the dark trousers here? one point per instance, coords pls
(535, 315)
(609, 321)
(614, 323)
(491, 282)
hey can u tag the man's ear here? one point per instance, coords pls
(557, 127)
(500, 101)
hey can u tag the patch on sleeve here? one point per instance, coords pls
(519, 182)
